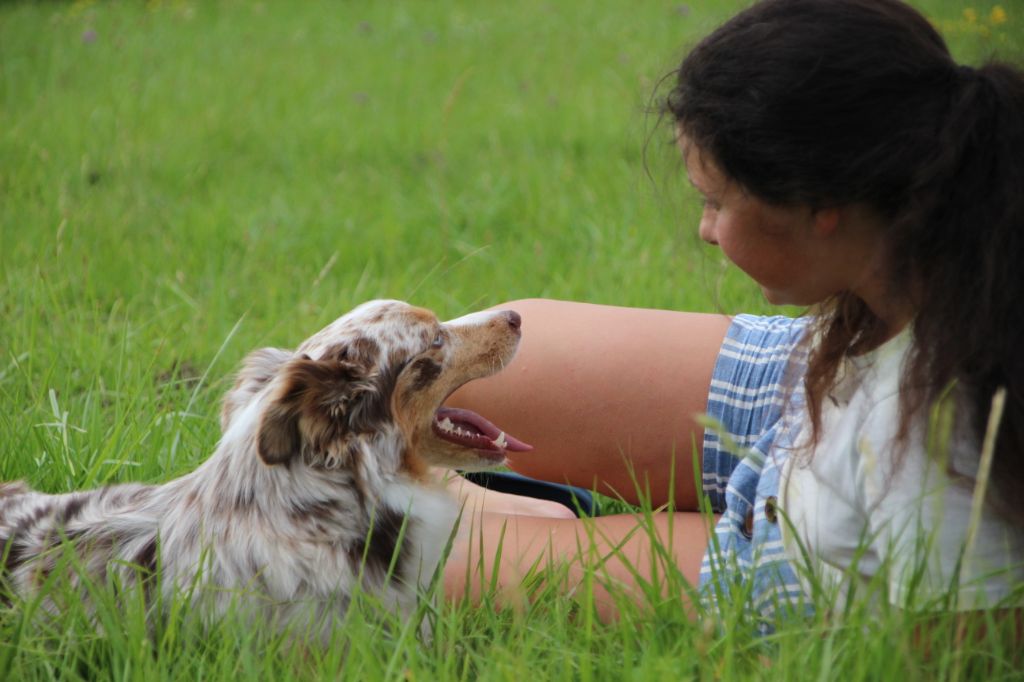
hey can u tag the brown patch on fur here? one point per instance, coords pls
(362, 350)
(426, 371)
(320, 404)
(379, 315)
(147, 560)
(146, 557)
(411, 462)
(27, 522)
(313, 509)
(72, 509)
(103, 545)
(383, 546)
(244, 499)
(12, 554)
(422, 315)
(43, 569)
(414, 465)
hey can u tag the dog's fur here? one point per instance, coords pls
(318, 485)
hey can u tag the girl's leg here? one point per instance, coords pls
(617, 549)
(606, 394)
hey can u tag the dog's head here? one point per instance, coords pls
(380, 372)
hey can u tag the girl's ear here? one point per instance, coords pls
(826, 221)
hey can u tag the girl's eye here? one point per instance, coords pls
(711, 205)
(438, 341)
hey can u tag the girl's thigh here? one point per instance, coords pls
(607, 396)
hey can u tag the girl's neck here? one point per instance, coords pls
(869, 273)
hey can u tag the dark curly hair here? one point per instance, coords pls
(840, 102)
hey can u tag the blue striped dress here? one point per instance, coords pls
(755, 406)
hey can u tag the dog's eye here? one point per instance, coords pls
(438, 341)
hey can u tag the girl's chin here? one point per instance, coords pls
(776, 297)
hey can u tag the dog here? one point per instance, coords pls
(318, 487)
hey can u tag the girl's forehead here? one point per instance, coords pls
(701, 170)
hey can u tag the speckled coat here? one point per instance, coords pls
(318, 485)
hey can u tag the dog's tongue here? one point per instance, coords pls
(469, 429)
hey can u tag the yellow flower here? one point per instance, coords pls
(997, 15)
(80, 6)
(970, 16)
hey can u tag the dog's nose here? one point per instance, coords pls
(514, 320)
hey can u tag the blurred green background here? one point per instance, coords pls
(181, 182)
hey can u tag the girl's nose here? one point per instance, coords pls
(707, 230)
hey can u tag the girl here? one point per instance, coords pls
(850, 166)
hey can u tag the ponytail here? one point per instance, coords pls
(961, 239)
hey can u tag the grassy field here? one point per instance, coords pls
(181, 182)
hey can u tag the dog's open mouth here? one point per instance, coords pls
(470, 430)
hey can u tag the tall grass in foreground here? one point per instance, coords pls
(181, 182)
(539, 632)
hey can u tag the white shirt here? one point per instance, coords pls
(862, 517)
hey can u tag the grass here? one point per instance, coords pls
(181, 182)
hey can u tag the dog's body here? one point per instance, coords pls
(318, 485)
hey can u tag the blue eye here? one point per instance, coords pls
(438, 341)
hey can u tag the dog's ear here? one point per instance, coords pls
(258, 368)
(311, 410)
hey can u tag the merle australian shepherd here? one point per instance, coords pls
(319, 485)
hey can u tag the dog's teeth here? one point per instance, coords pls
(448, 426)
(500, 441)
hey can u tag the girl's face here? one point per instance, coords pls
(780, 247)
